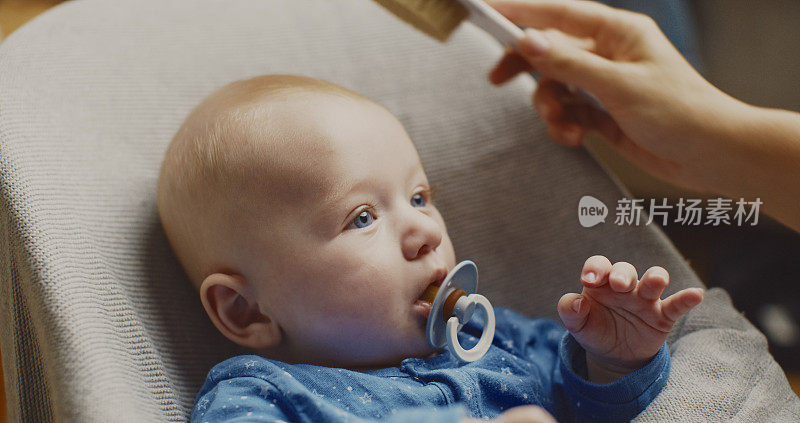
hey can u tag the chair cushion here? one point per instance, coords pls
(98, 321)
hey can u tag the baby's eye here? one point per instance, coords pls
(418, 200)
(363, 220)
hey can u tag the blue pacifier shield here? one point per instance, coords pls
(463, 276)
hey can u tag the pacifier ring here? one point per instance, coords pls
(453, 307)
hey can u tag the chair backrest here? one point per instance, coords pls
(98, 321)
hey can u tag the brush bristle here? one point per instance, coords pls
(437, 18)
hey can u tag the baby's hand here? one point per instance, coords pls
(519, 414)
(620, 320)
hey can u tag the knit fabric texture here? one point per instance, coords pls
(99, 323)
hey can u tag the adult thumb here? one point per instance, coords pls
(558, 58)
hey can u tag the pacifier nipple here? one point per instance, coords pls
(430, 294)
(452, 306)
(450, 303)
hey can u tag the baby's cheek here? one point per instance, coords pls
(335, 298)
(449, 252)
(447, 244)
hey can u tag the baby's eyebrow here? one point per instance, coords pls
(338, 193)
(342, 189)
(332, 203)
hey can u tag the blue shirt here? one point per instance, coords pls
(531, 361)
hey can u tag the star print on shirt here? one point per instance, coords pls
(365, 398)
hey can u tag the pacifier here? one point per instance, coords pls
(454, 303)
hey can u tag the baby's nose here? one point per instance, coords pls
(422, 236)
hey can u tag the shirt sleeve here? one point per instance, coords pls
(621, 400)
(252, 399)
(240, 399)
(546, 344)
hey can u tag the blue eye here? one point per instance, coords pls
(418, 200)
(363, 220)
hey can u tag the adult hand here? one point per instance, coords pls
(659, 110)
(521, 414)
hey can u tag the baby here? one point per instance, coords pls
(301, 212)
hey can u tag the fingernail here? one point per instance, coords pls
(534, 43)
(589, 277)
(576, 305)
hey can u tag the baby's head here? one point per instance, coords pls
(301, 212)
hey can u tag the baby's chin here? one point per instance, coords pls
(418, 348)
(403, 348)
(422, 353)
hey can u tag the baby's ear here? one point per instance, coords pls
(233, 309)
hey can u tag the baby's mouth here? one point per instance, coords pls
(429, 294)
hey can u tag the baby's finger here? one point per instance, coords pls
(622, 277)
(526, 414)
(679, 303)
(653, 283)
(595, 271)
(508, 67)
(573, 310)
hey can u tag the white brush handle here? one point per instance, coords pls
(509, 34)
(491, 21)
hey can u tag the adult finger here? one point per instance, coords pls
(512, 63)
(559, 58)
(509, 66)
(566, 133)
(569, 116)
(563, 110)
(549, 99)
(576, 17)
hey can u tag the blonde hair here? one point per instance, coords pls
(202, 186)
